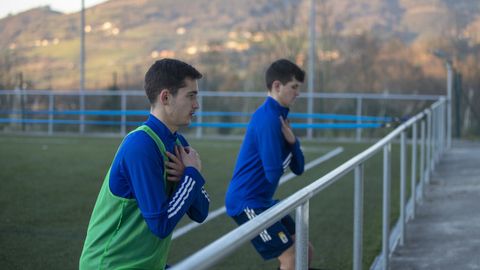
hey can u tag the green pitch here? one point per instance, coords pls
(48, 186)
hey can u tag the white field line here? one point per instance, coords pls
(192, 225)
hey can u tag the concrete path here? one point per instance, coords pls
(445, 233)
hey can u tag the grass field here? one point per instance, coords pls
(48, 186)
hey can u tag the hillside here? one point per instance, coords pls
(124, 36)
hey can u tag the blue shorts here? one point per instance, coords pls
(273, 241)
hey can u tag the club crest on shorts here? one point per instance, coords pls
(283, 237)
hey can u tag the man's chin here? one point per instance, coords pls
(187, 123)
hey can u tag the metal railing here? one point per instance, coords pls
(52, 103)
(431, 145)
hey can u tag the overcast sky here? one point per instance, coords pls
(16, 6)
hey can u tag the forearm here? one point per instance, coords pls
(298, 161)
(186, 193)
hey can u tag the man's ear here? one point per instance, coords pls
(276, 86)
(164, 97)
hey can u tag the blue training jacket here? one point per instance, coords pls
(138, 172)
(263, 158)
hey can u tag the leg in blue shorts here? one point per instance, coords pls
(273, 241)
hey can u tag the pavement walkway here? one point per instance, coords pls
(445, 233)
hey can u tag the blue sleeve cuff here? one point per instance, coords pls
(298, 161)
(195, 174)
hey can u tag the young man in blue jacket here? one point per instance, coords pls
(154, 179)
(268, 149)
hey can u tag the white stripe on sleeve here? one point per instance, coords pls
(183, 201)
(179, 191)
(182, 191)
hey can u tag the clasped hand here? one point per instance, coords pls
(183, 157)
(287, 131)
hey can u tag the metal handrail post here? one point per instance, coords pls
(437, 134)
(444, 131)
(413, 179)
(402, 188)
(440, 111)
(301, 236)
(422, 155)
(386, 206)
(434, 138)
(358, 219)
(429, 143)
(440, 133)
(445, 125)
(449, 102)
(437, 130)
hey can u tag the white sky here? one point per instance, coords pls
(67, 6)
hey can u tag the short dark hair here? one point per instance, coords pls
(284, 71)
(168, 74)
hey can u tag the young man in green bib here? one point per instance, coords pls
(154, 179)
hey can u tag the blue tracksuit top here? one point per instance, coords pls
(138, 172)
(263, 158)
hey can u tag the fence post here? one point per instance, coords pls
(445, 126)
(123, 105)
(358, 219)
(199, 117)
(422, 155)
(402, 188)
(301, 236)
(23, 93)
(51, 107)
(434, 138)
(386, 206)
(413, 179)
(449, 103)
(359, 119)
(82, 112)
(444, 131)
(429, 144)
(439, 132)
